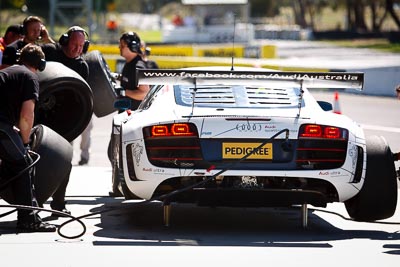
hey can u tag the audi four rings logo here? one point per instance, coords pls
(249, 127)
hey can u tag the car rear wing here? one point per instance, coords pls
(323, 80)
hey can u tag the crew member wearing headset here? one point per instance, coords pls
(34, 32)
(68, 51)
(130, 49)
(19, 92)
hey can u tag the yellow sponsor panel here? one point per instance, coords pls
(105, 49)
(171, 50)
(183, 56)
(238, 52)
(268, 51)
(240, 150)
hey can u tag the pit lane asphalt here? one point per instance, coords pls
(201, 236)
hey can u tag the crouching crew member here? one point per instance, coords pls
(19, 92)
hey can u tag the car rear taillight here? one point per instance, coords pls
(321, 147)
(173, 145)
(174, 129)
(321, 131)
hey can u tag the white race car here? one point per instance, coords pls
(252, 138)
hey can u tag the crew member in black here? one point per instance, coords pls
(33, 31)
(68, 51)
(130, 49)
(19, 91)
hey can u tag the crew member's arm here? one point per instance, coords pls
(44, 33)
(138, 94)
(26, 119)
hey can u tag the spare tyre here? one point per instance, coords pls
(65, 101)
(102, 83)
(53, 167)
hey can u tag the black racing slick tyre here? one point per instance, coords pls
(116, 164)
(55, 161)
(53, 167)
(102, 83)
(377, 198)
(65, 101)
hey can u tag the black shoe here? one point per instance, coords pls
(35, 226)
(115, 194)
(83, 162)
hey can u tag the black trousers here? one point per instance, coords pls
(14, 159)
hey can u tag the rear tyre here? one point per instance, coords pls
(377, 198)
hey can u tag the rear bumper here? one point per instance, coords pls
(252, 198)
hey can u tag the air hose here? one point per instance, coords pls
(8, 181)
(5, 183)
(206, 179)
(168, 195)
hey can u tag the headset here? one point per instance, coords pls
(37, 62)
(64, 38)
(133, 41)
(40, 64)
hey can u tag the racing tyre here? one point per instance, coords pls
(102, 83)
(53, 167)
(65, 102)
(377, 198)
(115, 164)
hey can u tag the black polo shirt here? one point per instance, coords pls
(17, 85)
(53, 52)
(128, 77)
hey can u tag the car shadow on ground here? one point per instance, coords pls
(190, 225)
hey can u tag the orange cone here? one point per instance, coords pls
(336, 106)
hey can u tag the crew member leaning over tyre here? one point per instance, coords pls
(19, 92)
(68, 51)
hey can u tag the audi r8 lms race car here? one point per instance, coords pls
(251, 138)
